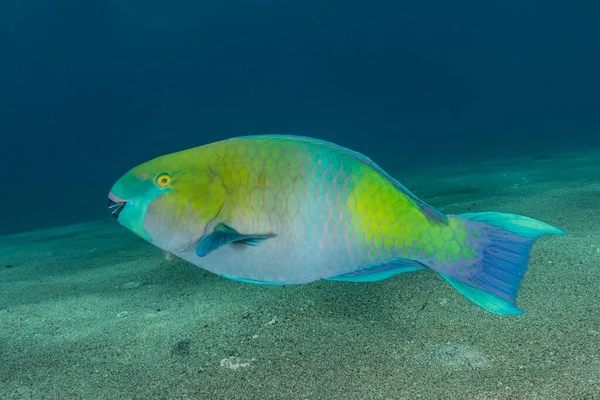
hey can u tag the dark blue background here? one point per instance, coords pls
(88, 89)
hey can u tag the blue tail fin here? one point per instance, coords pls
(502, 242)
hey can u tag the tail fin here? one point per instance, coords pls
(501, 243)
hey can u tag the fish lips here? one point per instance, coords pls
(129, 213)
(115, 204)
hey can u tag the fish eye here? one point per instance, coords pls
(163, 180)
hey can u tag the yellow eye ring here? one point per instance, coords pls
(163, 180)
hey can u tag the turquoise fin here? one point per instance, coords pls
(223, 235)
(483, 299)
(379, 272)
(518, 224)
(508, 239)
(254, 282)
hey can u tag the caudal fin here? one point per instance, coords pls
(501, 244)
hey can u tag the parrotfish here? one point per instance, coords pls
(285, 210)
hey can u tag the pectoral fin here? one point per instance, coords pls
(223, 235)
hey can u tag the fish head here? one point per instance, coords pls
(170, 200)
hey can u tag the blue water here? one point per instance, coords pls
(90, 88)
(501, 98)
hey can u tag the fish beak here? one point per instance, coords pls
(115, 204)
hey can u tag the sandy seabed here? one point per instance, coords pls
(90, 311)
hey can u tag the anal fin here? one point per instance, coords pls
(254, 282)
(379, 272)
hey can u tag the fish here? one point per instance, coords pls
(289, 210)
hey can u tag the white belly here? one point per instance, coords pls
(283, 260)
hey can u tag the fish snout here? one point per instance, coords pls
(115, 204)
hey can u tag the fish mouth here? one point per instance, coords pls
(115, 204)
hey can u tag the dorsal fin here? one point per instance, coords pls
(430, 212)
